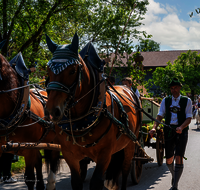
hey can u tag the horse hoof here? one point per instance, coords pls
(109, 185)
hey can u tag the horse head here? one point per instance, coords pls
(65, 70)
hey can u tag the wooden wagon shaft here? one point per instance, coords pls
(15, 146)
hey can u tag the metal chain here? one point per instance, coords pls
(74, 140)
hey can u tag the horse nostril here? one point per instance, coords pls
(57, 112)
(46, 113)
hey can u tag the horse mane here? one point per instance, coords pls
(9, 78)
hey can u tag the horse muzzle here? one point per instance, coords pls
(54, 114)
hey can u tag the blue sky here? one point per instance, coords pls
(170, 24)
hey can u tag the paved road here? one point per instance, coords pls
(153, 177)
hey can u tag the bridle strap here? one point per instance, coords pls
(60, 87)
(57, 86)
(63, 88)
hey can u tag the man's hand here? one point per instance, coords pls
(152, 132)
(179, 130)
(184, 125)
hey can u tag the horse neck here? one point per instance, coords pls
(87, 83)
(9, 81)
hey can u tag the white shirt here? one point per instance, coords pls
(175, 102)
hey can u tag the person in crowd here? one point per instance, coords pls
(5, 168)
(196, 106)
(193, 109)
(128, 82)
(177, 110)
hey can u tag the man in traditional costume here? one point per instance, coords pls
(177, 110)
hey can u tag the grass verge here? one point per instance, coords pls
(19, 166)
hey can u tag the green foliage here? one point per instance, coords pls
(148, 45)
(163, 76)
(24, 23)
(186, 68)
(18, 166)
(133, 70)
(189, 65)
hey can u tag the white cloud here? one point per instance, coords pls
(155, 8)
(170, 9)
(163, 22)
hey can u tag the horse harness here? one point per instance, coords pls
(97, 111)
(23, 105)
(89, 122)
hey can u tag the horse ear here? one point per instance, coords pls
(51, 45)
(2, 44)
(75, 43)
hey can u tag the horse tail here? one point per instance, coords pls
(52, 160)
(114, 169)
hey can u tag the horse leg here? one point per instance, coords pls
(74, 165)
(102, 164)
(38, 167)
(114, 170)
(128, 156)
(29, 175)
(52, 158)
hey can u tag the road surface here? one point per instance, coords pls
(153, 177)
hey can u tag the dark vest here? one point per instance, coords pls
(180, 114)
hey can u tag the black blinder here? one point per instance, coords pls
(47, 82)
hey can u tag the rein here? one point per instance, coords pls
(24, 86)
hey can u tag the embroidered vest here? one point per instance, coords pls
(180, 114)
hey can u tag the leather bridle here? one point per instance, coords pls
(69, 90)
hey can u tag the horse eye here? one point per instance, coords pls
(72, 72)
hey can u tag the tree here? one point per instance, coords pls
(189, 65)
(186, 68)
(149, 45)
(163, 76)
(24, 23)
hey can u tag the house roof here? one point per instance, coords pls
(155, 58)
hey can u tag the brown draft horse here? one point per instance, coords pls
(70, 95)
(9, 79)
